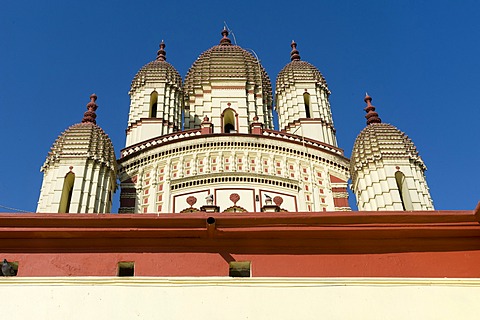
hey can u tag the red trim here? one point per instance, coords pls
(334, 179)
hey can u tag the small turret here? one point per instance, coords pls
(387, 170)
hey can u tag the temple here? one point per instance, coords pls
(216, 205)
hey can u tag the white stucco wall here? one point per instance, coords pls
(234, 298)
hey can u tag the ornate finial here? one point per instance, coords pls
(225, 40)
(372, 116)
(294, 55)
(161, 54)
(90, 115)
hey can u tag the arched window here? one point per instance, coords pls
(229, 119)
(67, 191)
(403, 191)
(153, 104)
(306, 101)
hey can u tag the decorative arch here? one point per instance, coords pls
(306, 101)
(153, 104)
(67, 191)
(229, 121)
(235, 209)
(190, 210)
(403, 191)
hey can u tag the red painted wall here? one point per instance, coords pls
(462, 264)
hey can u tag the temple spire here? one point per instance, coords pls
(225, 40)
(90, 115)
(294, 55)
(372, 116)
(161, 54)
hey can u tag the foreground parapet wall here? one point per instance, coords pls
(220, 298)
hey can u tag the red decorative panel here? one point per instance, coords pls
(340, 202)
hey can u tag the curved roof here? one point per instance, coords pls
(299, 71)
(83, 140)
(227, 61)
(379, 141)
(157, 70)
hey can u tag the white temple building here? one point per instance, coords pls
(208, 144)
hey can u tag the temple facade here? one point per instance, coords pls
(208, 143)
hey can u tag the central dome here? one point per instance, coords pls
(227, 61)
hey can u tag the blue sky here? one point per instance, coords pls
(419, 60)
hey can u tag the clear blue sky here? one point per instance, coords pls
(419, 60)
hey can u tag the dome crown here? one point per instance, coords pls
(381, 141)
(227, 61)
(83, 140)
(157, 70)
(299, 71)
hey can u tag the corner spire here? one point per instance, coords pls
(294, 55)
(225, 40)
(372, 116)
(90, 115)
(161, 54)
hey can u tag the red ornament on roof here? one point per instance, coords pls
(294, 55)
(372, 116)
(225, 40)
(161, 54)
(90, 115)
